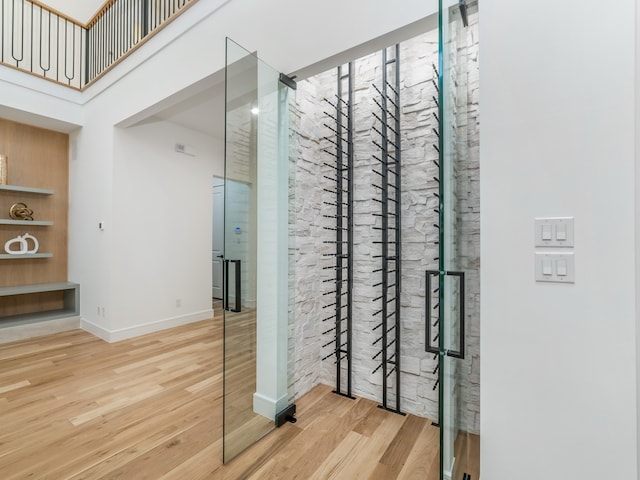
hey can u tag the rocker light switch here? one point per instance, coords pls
(561, 268)
(546, 266)
(554, 232)
(561, 231)
(555, 267)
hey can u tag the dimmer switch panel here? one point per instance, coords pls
(554, 232)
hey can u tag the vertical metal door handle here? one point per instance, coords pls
(238, 307)
(427, 315)
(460, 352)
(238, 287)
(225, 282)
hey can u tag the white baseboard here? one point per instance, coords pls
(145, 328)
(448, 474)
(266, 406)
(31, 330)
(94, 329)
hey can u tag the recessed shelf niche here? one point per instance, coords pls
(34, 287)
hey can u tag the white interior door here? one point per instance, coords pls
(217, 244)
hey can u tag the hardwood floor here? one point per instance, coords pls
(75, 407)
(242, 426)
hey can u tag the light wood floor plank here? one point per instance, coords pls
(75, 407)
(423, 460)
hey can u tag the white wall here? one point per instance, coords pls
(158, 233)
(557, 139)
(35, 101)
(90, 202)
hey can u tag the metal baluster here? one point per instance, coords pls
(13, 32)
(31, 43)
(57, 18)
(48, 43)
(66, 52)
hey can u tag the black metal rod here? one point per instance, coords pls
(145, 18)
(427, 313)
(87, 37)
(461, 312)
(339, 244)
(13, 30)
(334, 119)
(385, 225)
(31, 42)
(57, 48)
(238, 285)
(380, 105)
(225, 281)
(398, 231)
(66, 52)
(350, 221)
(102, 51)
(47, 43)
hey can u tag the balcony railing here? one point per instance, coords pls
(41, 41)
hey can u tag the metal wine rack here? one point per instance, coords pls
(340, 122)
(388, 163)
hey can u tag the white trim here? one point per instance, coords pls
(448, 474)
(145, 328)
(266, 406)
(94, 329)
(31, 330)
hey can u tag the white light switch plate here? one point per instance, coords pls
(555, 267)
(561, 229)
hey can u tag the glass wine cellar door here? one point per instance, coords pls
(257, 266)
(457, 445)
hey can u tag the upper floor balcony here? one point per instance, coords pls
(41, 41)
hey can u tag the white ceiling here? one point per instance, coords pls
(81, 10)
(203, 112)
(199, 107)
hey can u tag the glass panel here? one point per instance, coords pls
(257, 317)
(459, 239)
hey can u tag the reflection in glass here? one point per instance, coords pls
(257, 217)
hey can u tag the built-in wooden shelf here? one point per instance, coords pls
(71, 308)
(17, 188)
(24, 256)
(35, 223)
(39, 178)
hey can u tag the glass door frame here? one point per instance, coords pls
(256, 338)
(451, 281)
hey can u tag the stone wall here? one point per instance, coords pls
(419, 250)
